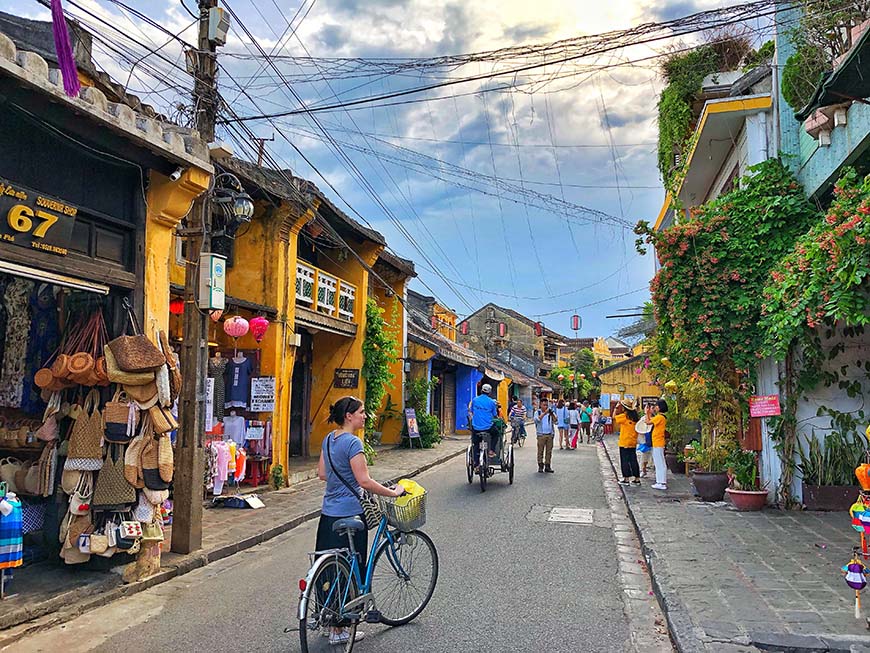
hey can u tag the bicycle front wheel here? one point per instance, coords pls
(324, 618)
(404, 576)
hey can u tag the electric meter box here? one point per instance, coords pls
(218, 25)
(212, 282)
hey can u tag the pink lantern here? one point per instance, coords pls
(259, 325)
(236, 326)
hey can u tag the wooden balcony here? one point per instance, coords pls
(324, 293)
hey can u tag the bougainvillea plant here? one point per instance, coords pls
(714, 265)
(825, 278)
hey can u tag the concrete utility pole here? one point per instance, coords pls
(187, 508)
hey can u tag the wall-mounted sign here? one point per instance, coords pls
(411, 419)
(262, 394)
(764, 406)
(648, 401)
(209, 405)
(346, 378)
(33, 220)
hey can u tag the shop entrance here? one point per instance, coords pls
(300, 397)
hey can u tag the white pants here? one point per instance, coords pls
(659, 461)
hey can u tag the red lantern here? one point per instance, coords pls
(539, 329)
(502, 329)
(575, 322)
(463, 328)
(582, 376)
(571, 376)
(259, 325)
(434, 323)
(176, 306)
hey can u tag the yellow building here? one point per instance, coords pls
(630, 378)
(608, 350)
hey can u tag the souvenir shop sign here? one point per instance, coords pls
(764, 406)
(33, 220)
(262, 394)
(346, 378)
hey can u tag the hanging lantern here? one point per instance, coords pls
(594, 375)
(571, 376)
(539, 329)
(216, 314)
(502, 329)
(176, 306)
(434, 323)
(236, 326)
(259, 325)
(561, 377)
(576, 322)
(463, 328)
(582, 376)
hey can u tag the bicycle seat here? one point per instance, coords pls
(348, 524)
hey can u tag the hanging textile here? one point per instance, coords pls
(17, 334)
(11, 536)
(5, 280)
(44, 340)
(216, 369)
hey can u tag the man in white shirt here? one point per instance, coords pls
(545, 420)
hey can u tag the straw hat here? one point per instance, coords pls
(628, 404)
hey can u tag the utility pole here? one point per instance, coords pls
(188, 483)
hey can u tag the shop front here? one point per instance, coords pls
(86, 207)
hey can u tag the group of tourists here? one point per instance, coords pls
(572, 421)
(642, 434)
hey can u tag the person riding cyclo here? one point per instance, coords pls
(482, 412)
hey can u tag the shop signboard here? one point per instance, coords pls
(648, 401)
(411, 419)
(33, 220)
(764, 406)
(262, 394)
(346, 378)
(209, 404)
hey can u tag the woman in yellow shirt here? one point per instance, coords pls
(625, 417)
(659, 422)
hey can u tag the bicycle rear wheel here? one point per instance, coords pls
(331, 587)
(404, 576)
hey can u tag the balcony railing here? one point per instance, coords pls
(324, 292)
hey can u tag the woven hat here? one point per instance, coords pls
(117, 375)
(628, 404)
(145, 396)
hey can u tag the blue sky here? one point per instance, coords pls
(587, 140)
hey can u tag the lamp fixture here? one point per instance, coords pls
(235, 204)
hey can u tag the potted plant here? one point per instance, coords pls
(389, 412)
(744, 489)
(827, 470)
(711, 476)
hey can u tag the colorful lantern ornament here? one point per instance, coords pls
(855, 574)
(176, 306)
(582, 376)
(561, 377)
(259, 325)
(236, 326)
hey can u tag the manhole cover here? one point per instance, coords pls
(572, 515)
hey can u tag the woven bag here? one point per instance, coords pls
(133, 462)
(151, 464)
(165, 458)
(60, 366)
(136, 353)
(172, 366)
(48, 431)
(120, 416)
(163, 387)
(144, 510)
(112, 491)
(43, 378)
(85, 443)
(101, 371)
(162, 420)
(81, 365)
(117, 375)
(145, 396)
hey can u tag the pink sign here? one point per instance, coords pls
(764, 406)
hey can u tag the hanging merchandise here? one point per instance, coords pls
(44, 340)
(11, 531)
(133, 461)
(151, 463)
(145, 395)
(239, 371)
(80, 499)
(12, 372)
(135, 353)
(120, 416)
(79, 358)
(259, 326)
(112, 491)
(165, 458)
(217, 366)
(162, 419)
(85, 448)
(174, 373)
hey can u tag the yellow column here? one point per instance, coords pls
(168, 202)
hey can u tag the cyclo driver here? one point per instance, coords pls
(482, 410)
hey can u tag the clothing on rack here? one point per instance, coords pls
(241, 464)
(5, 280)
(11, 536)
(18, 333)
(238, 382)
(234, 428)
(44, 340)
(216, 369)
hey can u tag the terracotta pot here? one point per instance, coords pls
(829, 497)
(673, 464)
(747, 500)
(710, 485)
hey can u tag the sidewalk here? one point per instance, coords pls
(49, 594)
(730, 581)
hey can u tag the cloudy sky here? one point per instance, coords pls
(441, 175)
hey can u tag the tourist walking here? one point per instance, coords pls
(624, 418)
(573, 425)
(545, 423)
(562, 423)
(586, 421)
(659, 422)
(598, 421)
(517, 417)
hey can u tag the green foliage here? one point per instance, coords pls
(801, 74)
(584, 386)
(428, 425)
(276, 476)
(743, 466)
(369, 452)
(380, 350)
(832, 461)
(418, 394)
(707, 292)
(824, 278)
(757, 57)
(390, 411)
(430, 430)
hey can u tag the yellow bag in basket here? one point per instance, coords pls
(412, 489)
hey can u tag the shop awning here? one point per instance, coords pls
(848, 81)
(315, 321)
(50, 277)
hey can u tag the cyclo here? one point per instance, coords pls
(496, 455)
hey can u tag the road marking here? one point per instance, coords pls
(572, 515)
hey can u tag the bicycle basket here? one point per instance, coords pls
(407, 517)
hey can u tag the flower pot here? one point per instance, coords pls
(746, 500)
(710, 485)
(829, 497)
(673, 464)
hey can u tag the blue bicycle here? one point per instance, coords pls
(399, 580)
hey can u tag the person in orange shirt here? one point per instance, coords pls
(624, 418)
(659, 422)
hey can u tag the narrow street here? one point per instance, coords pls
(509, 580)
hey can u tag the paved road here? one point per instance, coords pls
(510, 580)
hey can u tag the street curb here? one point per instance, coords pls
(63, 608)
(679, 623)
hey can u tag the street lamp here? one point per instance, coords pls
(235, 204)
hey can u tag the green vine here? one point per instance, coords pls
(380, 351)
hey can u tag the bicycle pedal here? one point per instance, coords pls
(373, 617)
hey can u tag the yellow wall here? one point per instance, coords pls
(638, 385)
(446, 321)
(394, 317)
(168, 202)
(502, 395)
(331, 351)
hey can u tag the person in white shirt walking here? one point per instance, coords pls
(545, 421)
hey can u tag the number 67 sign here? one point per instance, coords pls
(32, 220)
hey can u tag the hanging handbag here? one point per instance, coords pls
(112, 491)
(152, 532)
(99, 543)
(133, 462)
(165, 458)
(135, 353)
(120, 416)
(162, 419)
(8, 468)
(48, 430)
(130, 529)
(371, 509)
(85, 442)
(80, 499)
(144, 510)
(171, 365)
(116, 375)
(151, 464)
(161, 377)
